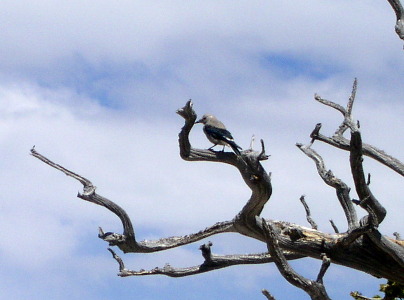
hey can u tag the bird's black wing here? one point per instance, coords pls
(222, 135)
(218, 133)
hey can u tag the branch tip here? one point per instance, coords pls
(206, 251)
(368, 181)
(334, 226)
(267, 294)
(314, 134)
(262, 155)
(352, 97)
(397, 235)
(308, 214)
(118, 259)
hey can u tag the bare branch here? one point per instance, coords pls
(367, 200)
(398, 9)
(342, 190)
(330, 104)
(351, 99)
(314, 134)
(348, 121)
(353, 235)
(308, 214)
(324, 267)
(376, 211)
(90, 195)
(284, 240)
(368, 150)
(177, 241)
(119, 260)
(126, 241)
(338, 141)
(206, 252)
(334, 226)
(315, 289)
(393, 248)
(212, 262)
(262, 155)
(268, 295)
(89, 188)
(296, 241)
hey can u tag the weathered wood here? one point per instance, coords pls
(361, 246)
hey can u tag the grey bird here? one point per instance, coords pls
(217, 133)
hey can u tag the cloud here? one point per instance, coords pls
(95, 88)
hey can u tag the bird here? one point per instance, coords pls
(217, 133)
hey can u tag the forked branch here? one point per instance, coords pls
(341, 189)
(211, 262)
(315, 289)
(339, 141)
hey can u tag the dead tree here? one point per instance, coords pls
(361, 246)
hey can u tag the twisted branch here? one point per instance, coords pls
(285, 241)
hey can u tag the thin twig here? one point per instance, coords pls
(352, 98)
(118, 259)
(89, 188)
(324, 266)
(308, 214)
(341, 189)
(267, 294)
(330, 104)
(334, 226)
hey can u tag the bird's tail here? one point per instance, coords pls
(235, 147)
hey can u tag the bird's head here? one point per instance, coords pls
(205, 119)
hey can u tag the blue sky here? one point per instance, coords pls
(95, 87)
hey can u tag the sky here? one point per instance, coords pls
(95, 85)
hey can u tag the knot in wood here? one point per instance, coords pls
(295, 234)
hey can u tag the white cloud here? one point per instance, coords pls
(95, 88)
(44, 34)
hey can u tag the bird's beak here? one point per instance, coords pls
(199, 121)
